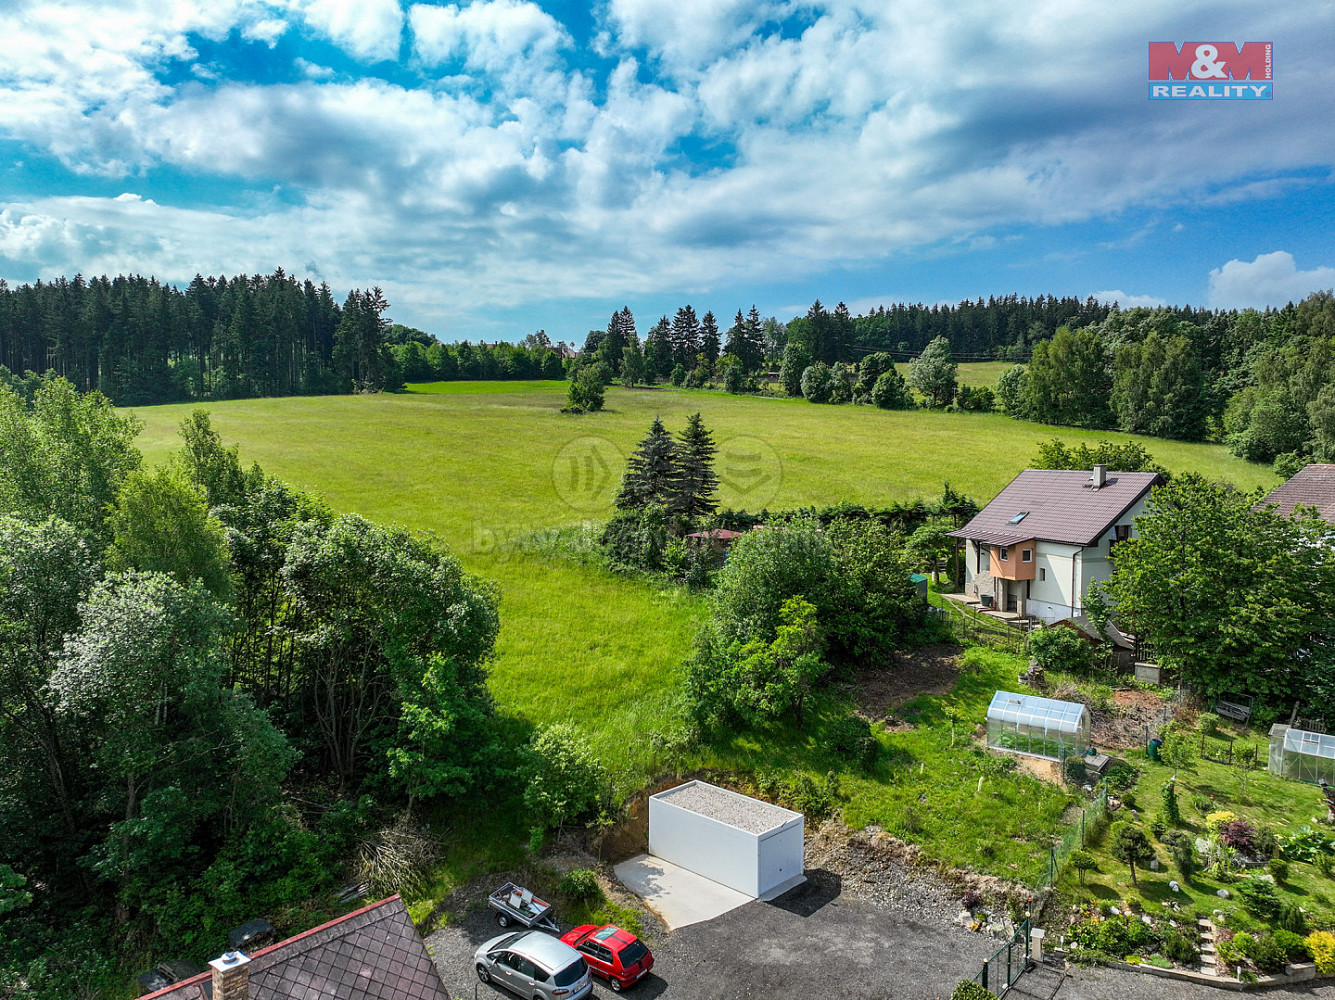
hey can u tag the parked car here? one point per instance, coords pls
(618, 956)
(534, 965)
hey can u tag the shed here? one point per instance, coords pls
(1301, 755)
(746, 844)
(1037, 727)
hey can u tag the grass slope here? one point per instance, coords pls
(481, 465)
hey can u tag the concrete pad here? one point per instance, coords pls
(678, 896)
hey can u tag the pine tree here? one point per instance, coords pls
(698, 484)
(658, 349)
(754, 358)
(709, 342)
(653, 473)
(685, 337)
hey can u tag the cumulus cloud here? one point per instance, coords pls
(1272, 279)
(1129, 301)
(370, 30)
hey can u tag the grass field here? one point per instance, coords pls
(482, 465)
(974, 373)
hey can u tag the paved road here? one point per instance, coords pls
(811, 942)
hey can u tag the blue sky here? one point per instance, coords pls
(504, 165)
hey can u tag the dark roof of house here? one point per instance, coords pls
(1058, 506)
(1313, 486)
(373, 953)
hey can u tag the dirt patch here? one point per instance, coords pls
(1043, 770)
(931, 670)
(1126, 724)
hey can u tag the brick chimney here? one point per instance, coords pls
(231, 977)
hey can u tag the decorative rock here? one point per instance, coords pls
(1154, 864)
(1114, 911)
(1222, 893)
(1147, 921)
(1172, 884)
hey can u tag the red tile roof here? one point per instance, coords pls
(373, 953)
(1062, 507)
(1314, 486)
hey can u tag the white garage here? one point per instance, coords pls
(740, 842)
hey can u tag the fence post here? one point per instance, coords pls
(985, 965)
(1082, 827)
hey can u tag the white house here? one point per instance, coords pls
(1036, 548)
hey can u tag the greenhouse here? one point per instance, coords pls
(1302, 756)
(1037, 727)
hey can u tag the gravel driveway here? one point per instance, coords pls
(811, 942)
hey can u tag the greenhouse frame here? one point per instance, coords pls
(1302, 755)
(1037, 727)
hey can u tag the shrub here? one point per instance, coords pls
(851, 737)
(1074, 770)
(1265, 842)
(1216, 821)
(1321, 946)
(678, 376)
(1279, 868)
(1259, 897)
(1172, 814)
(1180, 948)
(1202, 803)
(972, 899)
(1158, 827)
(1293, 945)
(580, 885)
(1291, 917)
(1325, 864)
(1239, 835)
(1128, 800)
(1083, 861)
(1209, 723)
(565, 779)
(1058, 649)
(967, 989)
(1268, 956)
(1120, 777)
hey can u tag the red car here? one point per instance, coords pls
(618, 956)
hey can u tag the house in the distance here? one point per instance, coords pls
(373, 953)
(1313, 486)
(1036, 548)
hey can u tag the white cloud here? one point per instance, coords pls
(1129, 301)
(368, 29)
(1272, 279)
(267, 31)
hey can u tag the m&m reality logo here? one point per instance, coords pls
(1211, 71)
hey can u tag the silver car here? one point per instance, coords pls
(534, 965)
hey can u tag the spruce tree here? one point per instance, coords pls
(685, 337)
(709, 338)
(754, 358)
(698, 484)
(653, 473)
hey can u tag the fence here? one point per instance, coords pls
(1077, 834)
(999, 972)
(977, 630)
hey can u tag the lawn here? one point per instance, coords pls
(972, 373)
(483, 465)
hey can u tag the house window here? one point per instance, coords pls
(1026, 555)
(1005, 549)
(1121, 533)
(1042, 573)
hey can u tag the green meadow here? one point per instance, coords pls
(483, 465)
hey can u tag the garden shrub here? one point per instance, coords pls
(1202, 803)
(1129, 800)
(967, 989)
(1180, 948)
(1074, 770)
(1159, 962)
(1263, 951)
(1217, 820)
(1083, 861)
(1059, 650)
(1265, 842)
(1120, 777)
(1239, 835)
(971, 900)
(1279, 868)
(1293, 945)
(1321, 946)
(1171, 813)
(1325, 864)
(1158, 827)
(580, 885)
(1291, 917)
(1209, 723)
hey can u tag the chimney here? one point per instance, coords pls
(231, 977)
(1100, 477)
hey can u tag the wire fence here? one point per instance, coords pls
(978, 630)
(1077, 834)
